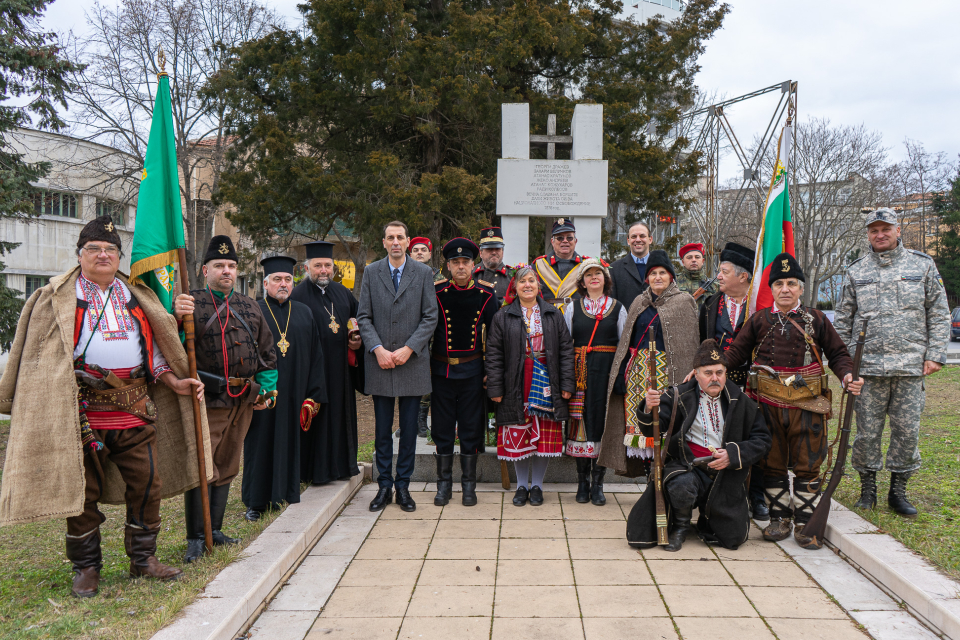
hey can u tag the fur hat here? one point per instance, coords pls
(739, 255)
(220, 248)
(99, 229)
(708, 354)
(785, 266)
(659, 258)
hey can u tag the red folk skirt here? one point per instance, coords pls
(537, 437)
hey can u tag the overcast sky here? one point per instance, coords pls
(892, 65)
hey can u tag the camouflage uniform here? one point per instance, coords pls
(900, 292)
(690, 281)
(425, 399)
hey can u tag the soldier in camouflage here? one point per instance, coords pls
(901, 293)
(421, 250)
(693, 275)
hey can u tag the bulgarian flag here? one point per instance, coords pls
(776, 232)
(159, 227)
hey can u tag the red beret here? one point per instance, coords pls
(693, 246)
(420, 240)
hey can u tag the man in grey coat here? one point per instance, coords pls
(397, 317)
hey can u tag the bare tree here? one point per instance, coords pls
(930, 172)
(118, 85)
(835, 176)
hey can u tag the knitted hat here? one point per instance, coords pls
(99, 229)
(708, 354)
(785, 266)
(659, 258)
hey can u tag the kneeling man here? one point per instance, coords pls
(717, 436)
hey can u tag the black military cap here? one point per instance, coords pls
(220, 248)
(319, 249)
(739, 255)
(491, 238)
(562, 225)
(460, 248)
(659, 258)
(99, 229)
(785, 266)
(278, 264)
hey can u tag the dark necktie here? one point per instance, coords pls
(396, 280)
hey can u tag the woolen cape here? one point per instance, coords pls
(43, 474)
(678, 321)
(723, 518)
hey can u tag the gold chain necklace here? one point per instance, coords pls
(333, 319)
(283, 344)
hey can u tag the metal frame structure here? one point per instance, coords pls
(714, 129)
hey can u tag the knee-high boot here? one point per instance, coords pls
(141, 547)
(681, 527)
(444, 478)
(85, 554)
(583, 480)
(468, 478)
(193, 512)
(218, 506)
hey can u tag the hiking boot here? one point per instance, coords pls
(897, 498)
(868, 491)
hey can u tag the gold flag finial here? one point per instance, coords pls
(162, 63)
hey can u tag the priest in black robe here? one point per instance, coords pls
(271, 450)
(329, 449)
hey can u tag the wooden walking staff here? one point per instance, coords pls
(190, 344)
(657, 460)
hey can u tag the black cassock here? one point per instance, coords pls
(329, 450)
(271, 450)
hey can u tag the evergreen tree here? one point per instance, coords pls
(947, 207)
(32, 68)
(390, 109)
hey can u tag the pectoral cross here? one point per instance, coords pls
(333, 324)
(284, 345)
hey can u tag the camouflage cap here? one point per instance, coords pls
(882, 214)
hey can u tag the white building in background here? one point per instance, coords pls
(643, 10)
(85, 180)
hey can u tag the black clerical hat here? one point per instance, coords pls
(319, 249)
(278, 264)
(99, 229)
(460, 248)
(785, 266)
(220, 248)
(739, 255)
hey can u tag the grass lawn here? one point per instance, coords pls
(35, 575)
(934, 489)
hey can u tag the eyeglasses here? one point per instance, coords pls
(569, 238)
(95, 250)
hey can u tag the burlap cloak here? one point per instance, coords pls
(681, 337)
(43, 473)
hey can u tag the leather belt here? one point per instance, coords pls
(456, 361)
(558, 300)
(130, 398)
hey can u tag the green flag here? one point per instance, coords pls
(159, 225)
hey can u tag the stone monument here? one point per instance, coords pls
(574, 188)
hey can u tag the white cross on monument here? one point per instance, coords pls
(574, 188)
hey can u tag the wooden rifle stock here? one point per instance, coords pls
(817, 526)
(702, 290)
(657, 460)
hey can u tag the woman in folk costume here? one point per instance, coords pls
(595, 322)
(669, 315)
(530, 377)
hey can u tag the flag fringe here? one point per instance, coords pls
(151, 263)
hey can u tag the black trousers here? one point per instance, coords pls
(688, 490)
(406, 456)
(458, 408)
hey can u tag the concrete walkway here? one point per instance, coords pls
(562, 571)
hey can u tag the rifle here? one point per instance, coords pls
(817, 526)
(657, 460)
(703, 288)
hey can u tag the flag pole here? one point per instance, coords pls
(190, 344)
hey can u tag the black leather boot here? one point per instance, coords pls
(444, 478)
(422, 431)
(583, 480)
(681, 527)
(897, 498)
(468, 478)
(84, 552)
(596, 489)
(218, 506)
(758, 504)
(868, 490)
(193, 511)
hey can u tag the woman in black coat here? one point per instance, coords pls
(526, 331)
